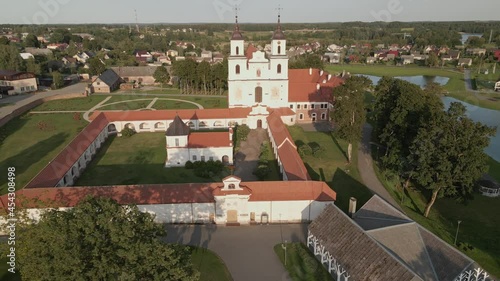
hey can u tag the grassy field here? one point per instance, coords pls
(455, 86)
(494, 169)
(479, 216)
(139, 159)
(332, 166)
(301, 263)
(168, 104)
(210, 266)
(29, 142)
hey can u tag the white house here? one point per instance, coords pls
(497, 86)
(183, 146)
(22, 82)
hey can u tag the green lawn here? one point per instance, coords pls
(210, 266)
(455, 86)
(301, 263)
(494, 169)
(29, 142)
(77, 104)
(139, 159)
(479, 217)
(168, 104)
(332, 166)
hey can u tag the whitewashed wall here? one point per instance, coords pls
(177, 157)
(180, 213)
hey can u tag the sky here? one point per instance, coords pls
(250, 11)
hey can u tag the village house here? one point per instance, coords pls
(38, 51)
(172, 53)
(476, 51)
(371, 60)
(497, 86)
(69, 62)
(465, 62)
(107, 82)
(143, 56)
(83, 57)
(407, 59)
(26, 56)
(58, 46)
(21, 82)
(333, 58)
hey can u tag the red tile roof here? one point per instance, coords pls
(303, 85)
(186, 114)
(209, 139)
(250, 50)
(287, 151)
(57, 168)
(171, 193)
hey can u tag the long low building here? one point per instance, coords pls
(21, 82)
(229, 202)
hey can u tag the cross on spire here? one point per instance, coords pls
(279, 9)
(236, 9)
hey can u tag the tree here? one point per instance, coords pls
(161, 75)
(100, 240)
(448, 153)
(203, 73)
(31, 41)
(96, 66)
(58, 80)
(432, 60)
(348, 113)
(32, 66)
(4, 40)
(10, 58)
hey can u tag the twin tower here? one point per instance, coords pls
(254, 77)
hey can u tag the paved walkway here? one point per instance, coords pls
(246, 250)
(86, 115)
(73, 89)
(365, 166)
(246, 160)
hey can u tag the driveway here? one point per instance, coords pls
(246, 250)
(365, 166)
(25, 99)
(247, 158)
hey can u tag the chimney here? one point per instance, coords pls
(310, 71)
(352, 206)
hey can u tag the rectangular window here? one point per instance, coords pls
(195, 158)
(176, 142)
(211, 158)
(298, 106)
(312, 106)
(203, 158)
(305, 106)
(291, 106)
(22, 89)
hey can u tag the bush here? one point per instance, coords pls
(127, 132)
(305, 150)
(262, 171)
(207, 169)
(189, 165)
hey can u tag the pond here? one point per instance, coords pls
(465, 36)
(486, 116)
(420, 80)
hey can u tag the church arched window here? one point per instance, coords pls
(279, 50)
(237, 69)
(237, 50)
(279, 69)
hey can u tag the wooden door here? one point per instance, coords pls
(232, 216)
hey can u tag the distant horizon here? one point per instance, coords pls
(60, 12)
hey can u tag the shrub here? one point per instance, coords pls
(305, 150)
(261, 172)
(189, 165)
(127, 132)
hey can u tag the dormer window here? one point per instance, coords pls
(231, 186)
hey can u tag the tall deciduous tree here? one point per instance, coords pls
(448, 153)
(58, 80)
(31, 41)
(161, 75)
(349, 112)
(96, 66)
(100, 240)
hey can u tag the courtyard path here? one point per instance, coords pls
(247, 251)
(150, 105)
(365, 166)
(246, 160)
(86, 115)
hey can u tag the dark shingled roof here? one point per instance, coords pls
(109, 77)
(177, 128)
(236, 33)
(278, 33)
(426, 254)
(360, 255)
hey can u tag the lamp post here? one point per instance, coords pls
(284, 248)
(456, 235)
